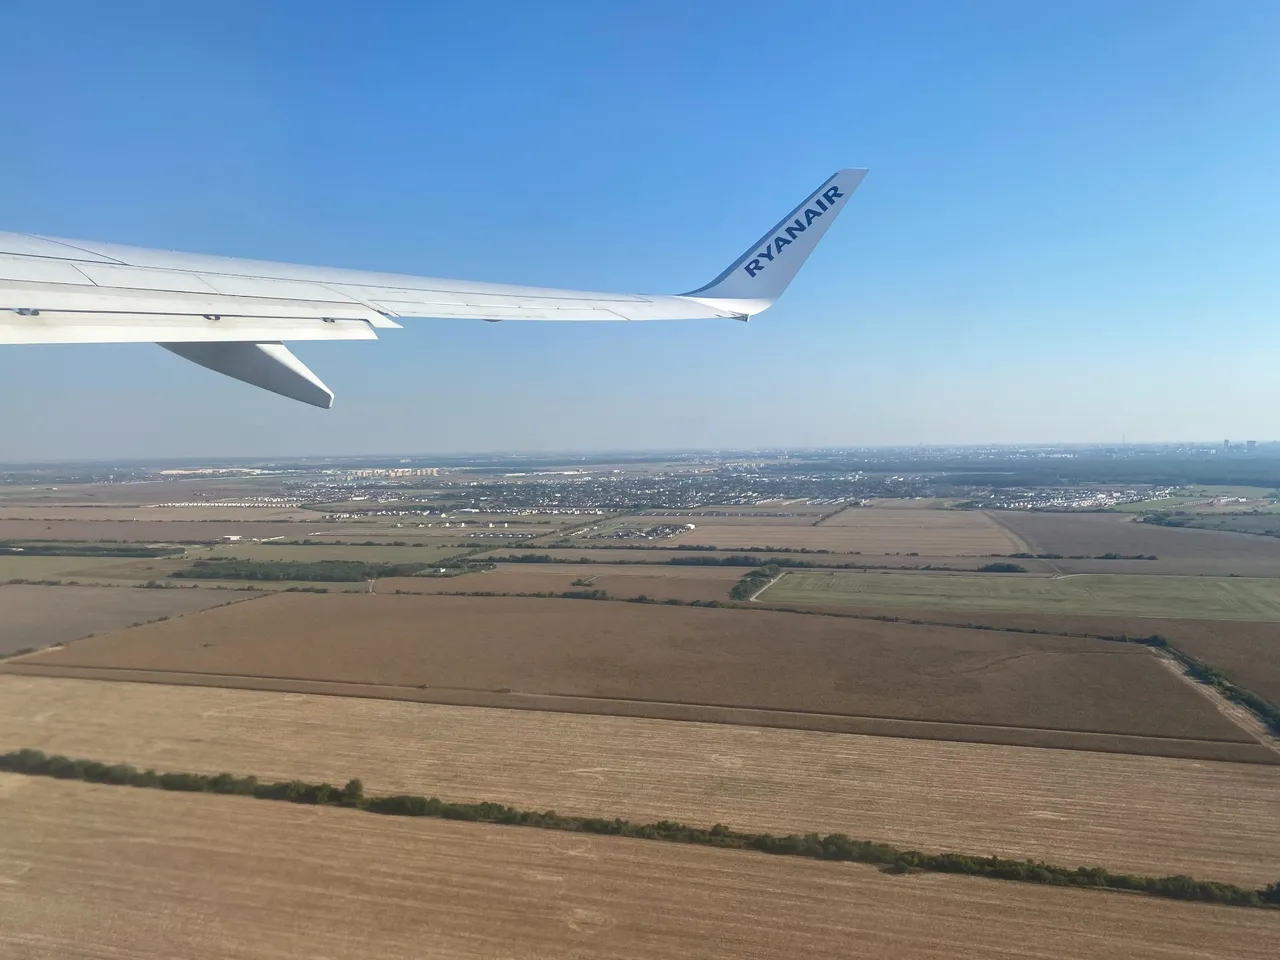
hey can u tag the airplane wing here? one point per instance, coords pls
(234, 315)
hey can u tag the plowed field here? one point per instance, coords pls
(870, 530)
(1210, 598)
(1091, 534)
(34, 616)
(640, 652)
(656, 581)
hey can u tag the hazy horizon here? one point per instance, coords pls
(1236, 447)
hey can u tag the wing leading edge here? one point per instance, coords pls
(232, 315)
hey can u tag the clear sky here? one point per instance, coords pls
(1070, 230)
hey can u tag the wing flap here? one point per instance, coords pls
(59, 327)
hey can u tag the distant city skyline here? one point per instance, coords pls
(1067, 233)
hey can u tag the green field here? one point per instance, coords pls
(1202, 598)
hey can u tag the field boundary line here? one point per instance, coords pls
(1244, 750)
(1022, 545)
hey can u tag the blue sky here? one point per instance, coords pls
(1069, 230)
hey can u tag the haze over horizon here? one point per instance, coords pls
(1067, 234)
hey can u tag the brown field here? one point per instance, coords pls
(1096, 533)
(271, 552)
(870, 530)
(148, 512)
(806, 666)
(39, 616)
(1247, 651)
(154, 531)
(1141, 814)
(84, 569)
(97, 871)
(1182, 567)
(658, 582)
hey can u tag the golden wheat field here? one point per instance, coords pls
(91, 871)
(1141, 814)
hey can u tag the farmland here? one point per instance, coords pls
(868, 530)
(36, 616)
(1142, 814)
(803, 668)
(159, 531)
(1248, 652)
(659, 582)
(981, 728)
(456, 890)
(1210, 598)
(1091, 534)
(312, 553)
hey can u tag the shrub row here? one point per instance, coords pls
(835, 846)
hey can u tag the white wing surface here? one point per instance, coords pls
(233, 315)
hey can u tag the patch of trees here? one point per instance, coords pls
(1002, 567)
(325, 571)
(753, 582)
(1165, 519)
(832, 847)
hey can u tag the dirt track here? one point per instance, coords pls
(90, 871)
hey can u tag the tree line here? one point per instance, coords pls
(325, 571)
(54, 549)
(833, 847)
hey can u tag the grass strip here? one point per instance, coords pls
(833, 847)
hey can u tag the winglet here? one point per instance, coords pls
(758, 277)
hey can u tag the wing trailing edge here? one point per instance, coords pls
(233, 315)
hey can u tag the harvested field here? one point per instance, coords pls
(153, 531)
(1140, 814)
(1210, 598)
(807, 666)
(100, 569)
(1091, 534)
(1261, 524)
(869, 530)
(107, 870)
(156, 512)
(658, 582)
(1208, 567)
(32, 616)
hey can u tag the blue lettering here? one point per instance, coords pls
(831, 193)
(795, 228)
(753, 267)
(780, 242)
(767, 252)
(811, 215)
(821, 206)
